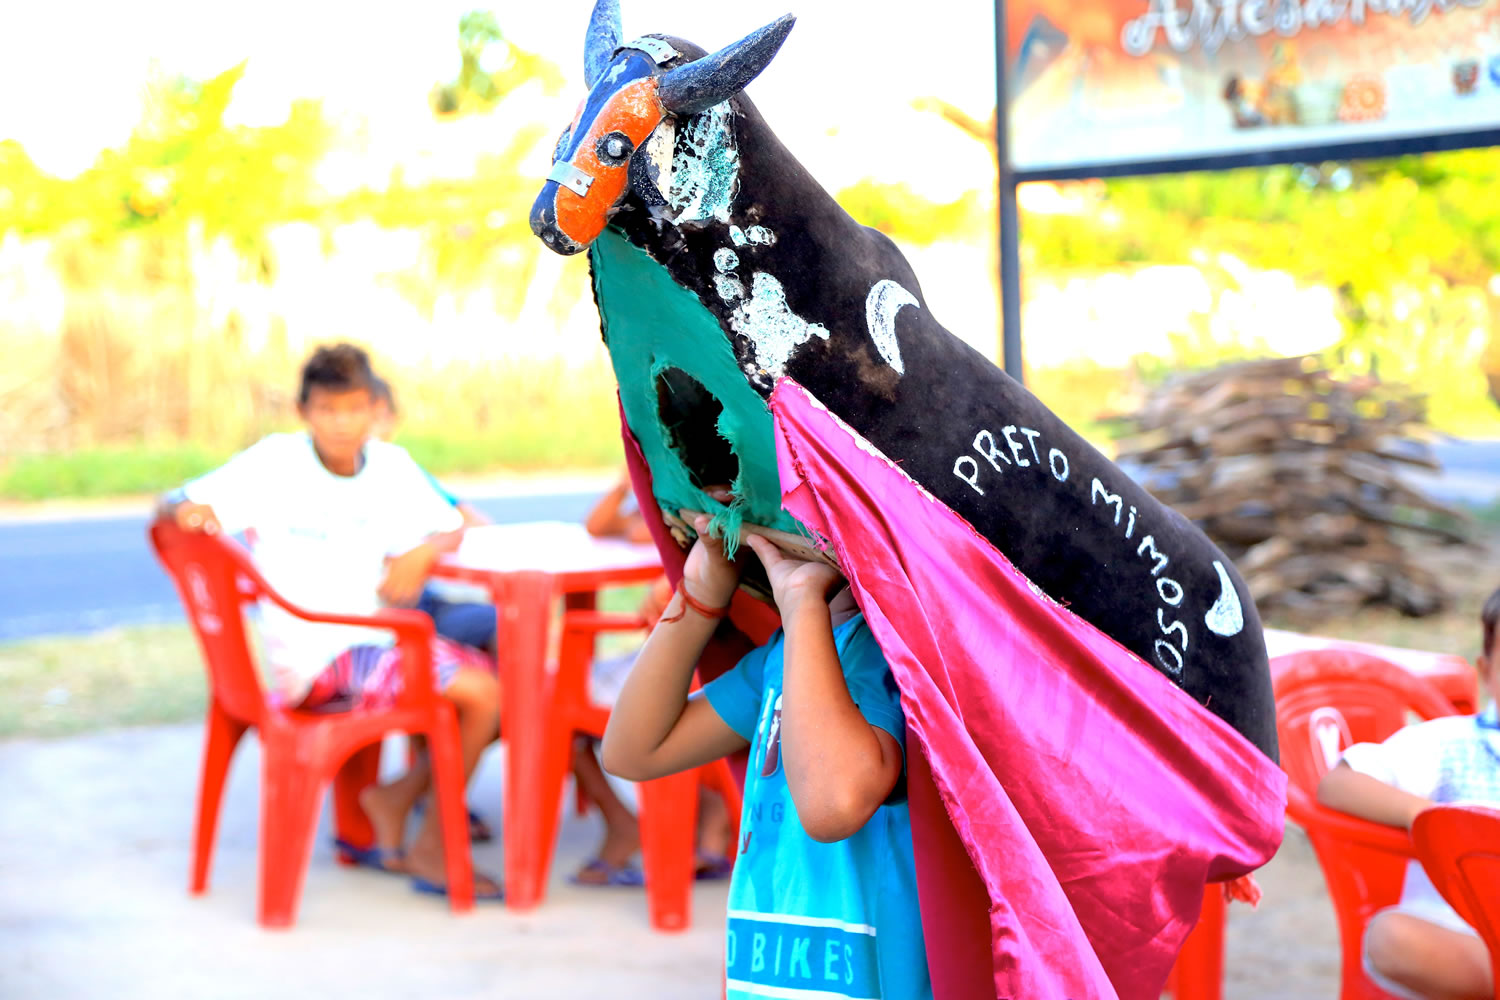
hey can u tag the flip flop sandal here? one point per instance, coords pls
(431, 888)
(378, 858)
(606, 875)
(479, 830)
(711, 868)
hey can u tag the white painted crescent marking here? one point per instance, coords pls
(1226, 617)
(885, 300)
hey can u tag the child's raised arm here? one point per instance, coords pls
(654, 728)
(1347, 790)
(839, 767)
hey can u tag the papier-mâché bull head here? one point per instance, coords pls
(616, 140)
(721, 267)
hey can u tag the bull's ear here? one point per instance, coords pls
(601, 40)
(698, 86)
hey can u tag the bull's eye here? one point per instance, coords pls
(562, 143)
(614, 148)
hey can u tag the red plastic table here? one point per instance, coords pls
(525, 567)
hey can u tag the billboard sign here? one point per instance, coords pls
(1105, 85)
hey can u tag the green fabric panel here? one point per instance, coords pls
(652, 323)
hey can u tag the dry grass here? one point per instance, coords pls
(120, 677)
(139, 676)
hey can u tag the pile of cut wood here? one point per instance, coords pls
(1297, 475)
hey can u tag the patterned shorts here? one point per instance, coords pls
(370, 676)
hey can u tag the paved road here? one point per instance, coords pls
(1471, 473)
(79, 575)
(61, 576)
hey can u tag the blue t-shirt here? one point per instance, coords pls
(808, 919)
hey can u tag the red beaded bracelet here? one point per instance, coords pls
(689, 602)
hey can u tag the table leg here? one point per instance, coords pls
(1199, 972)
(669, 829)
(359, 772)
(586, 600)
(523, 602)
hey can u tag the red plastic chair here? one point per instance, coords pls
(668, 806)
(1459, 846)
(302, 751)
(1326, 700)
(1198, 973)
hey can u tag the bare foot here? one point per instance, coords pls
(387, 810)
(621, 841)
(713, 825)
(427, 864)
(598, 872)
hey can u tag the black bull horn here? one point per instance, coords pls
(600, 41)
(698, 86)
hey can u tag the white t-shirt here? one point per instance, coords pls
(1454, 759)
(321, 540)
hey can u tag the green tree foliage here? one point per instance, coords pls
(489, 68)
(139, 357)
(1411, 245)
(184, 166)
(1356, 225)
(181, 163)
(896, 210)
(25, 191)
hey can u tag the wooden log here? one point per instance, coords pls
(1295, 472)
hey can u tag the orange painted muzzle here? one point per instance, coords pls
(583, 190)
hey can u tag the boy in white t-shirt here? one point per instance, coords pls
(346, 524)
(1421, 947)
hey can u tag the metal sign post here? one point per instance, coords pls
(1010, 253)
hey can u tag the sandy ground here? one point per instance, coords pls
(94, 838)
(1288, 947)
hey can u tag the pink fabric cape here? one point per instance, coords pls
(1068, 802)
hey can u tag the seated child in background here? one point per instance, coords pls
(456, 612)
(1421, 947)
(617, 516)
(346, 524)
(825, 879)
(472, 623)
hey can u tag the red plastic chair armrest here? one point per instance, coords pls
(413, 629)
(604, 621)
(1307, 813)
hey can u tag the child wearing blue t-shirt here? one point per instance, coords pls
(823, 899)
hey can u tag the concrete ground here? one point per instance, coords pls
(94, 847)
(94, 838)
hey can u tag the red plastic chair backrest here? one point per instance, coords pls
(1330, 699)
(1460, 848)
(1327, 700)
(214, 578)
